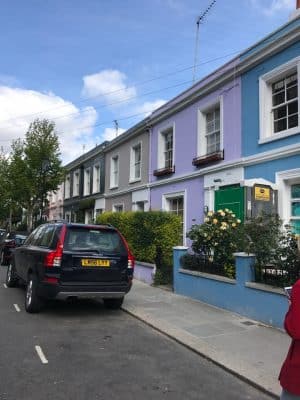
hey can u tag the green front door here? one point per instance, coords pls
(233, 198)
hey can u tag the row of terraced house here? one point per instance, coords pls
(231, 140)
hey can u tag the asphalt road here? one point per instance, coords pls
(81, 351)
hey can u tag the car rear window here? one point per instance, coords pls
(98, 240)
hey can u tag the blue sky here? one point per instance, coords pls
(84, 64)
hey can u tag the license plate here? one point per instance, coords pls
(91, 262)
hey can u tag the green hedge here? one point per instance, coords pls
(150, 235)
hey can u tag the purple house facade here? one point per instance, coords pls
(195, 141)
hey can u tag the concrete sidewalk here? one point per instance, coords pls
(245, 347)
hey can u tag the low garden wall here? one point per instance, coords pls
(241, 295)
(144, 272)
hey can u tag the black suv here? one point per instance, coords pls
(62, 260)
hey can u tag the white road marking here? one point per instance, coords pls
(4, 284)
(41, 354)
(17, 307)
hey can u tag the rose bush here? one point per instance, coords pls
(218, 237)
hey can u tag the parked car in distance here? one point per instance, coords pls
(10, 242)
(63, 260)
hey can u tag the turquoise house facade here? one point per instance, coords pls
(270, 117)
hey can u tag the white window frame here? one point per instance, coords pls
(68, 186)
(135, 206)
(133, 163)
(76, 181)
(96, 178)
(116, 206)
(114, 172)
(161, 162)
(98, 211)
(140, 196)
(284, 180)
(87, 182)
(294, 200)
(266, 133)
(165, 207)
(202, 112)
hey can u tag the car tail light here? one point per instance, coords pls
(131, 260)
(10, 243)
(54, 257)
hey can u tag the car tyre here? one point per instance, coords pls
(113, 304)
(11, 276)
(33, 303)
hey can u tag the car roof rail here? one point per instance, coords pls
(108, 225)
(60, 220)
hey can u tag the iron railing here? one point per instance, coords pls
(277, 275)
(206, 264)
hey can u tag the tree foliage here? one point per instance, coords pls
(4, 188)
(34, 167)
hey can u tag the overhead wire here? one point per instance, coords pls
(118, 90)
(79, 112)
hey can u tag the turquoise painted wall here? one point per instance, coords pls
(267, 170)
(250, 104)
(261, 305)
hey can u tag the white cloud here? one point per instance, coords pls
(149, 106)
(108, 85)
(19, 107)
(75, 126)
(271, 7)
(110, 133)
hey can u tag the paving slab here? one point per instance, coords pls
(243, 346)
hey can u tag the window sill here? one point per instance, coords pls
(135, 180)
(208, 158)
(164, 171)
(113, 187)
(278, 136)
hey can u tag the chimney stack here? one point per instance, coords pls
(296, 13)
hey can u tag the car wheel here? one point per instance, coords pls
(11, 277)
(113, 304)
(33, 303)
